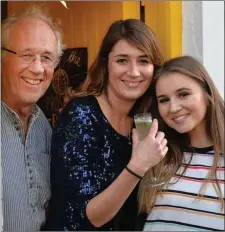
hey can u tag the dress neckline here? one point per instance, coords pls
(112, 128)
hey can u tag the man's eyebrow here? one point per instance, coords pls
(32, 50)
(178, 90)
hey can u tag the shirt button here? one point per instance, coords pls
(30, 171)
(28, 163)
(46, 204)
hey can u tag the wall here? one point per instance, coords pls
(84, 23)
(165, 19)
(131, 9)
(213, 41)
(203, 36)
(192, 29)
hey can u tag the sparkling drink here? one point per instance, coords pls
(143, 123)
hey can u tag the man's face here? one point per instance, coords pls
(23, 84)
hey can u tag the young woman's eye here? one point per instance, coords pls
(121, 61)
(183, 95)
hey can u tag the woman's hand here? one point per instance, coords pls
(149, 152)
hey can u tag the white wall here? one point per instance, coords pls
(192, 29)
(213, 41)
(203, 36)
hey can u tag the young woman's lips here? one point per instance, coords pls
(180, 119)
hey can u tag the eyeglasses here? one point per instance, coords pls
(47, 60)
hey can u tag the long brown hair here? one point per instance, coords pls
(192, 68)
(133, 31)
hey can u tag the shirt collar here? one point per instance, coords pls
(34, 114)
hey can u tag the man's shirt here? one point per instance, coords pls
(25, 169)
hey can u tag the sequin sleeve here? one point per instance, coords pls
(78, 172)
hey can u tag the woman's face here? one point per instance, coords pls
(129, 71)
(182, 103)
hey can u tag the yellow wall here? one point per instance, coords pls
(165, 19)
(85, 23)
(131, 9)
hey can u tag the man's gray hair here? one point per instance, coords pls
(34, 12)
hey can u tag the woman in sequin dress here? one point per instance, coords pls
(92, 189)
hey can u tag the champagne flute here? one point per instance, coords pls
(143, 123)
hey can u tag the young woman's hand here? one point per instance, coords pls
(149, 152)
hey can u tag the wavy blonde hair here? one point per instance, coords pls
(192, 68)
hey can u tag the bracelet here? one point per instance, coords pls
(133, 173)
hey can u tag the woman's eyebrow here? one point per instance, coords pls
(178, 90)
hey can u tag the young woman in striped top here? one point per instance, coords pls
(191, 113)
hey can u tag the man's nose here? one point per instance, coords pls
(36, 66)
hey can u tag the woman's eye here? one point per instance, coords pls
(163, 100)
(144, 61)
(121, 61)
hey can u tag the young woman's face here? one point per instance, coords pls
(182, 102)
(129, 72)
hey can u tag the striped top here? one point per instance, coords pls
(25, 170)
(176, 208)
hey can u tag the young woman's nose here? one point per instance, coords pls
(174, 106)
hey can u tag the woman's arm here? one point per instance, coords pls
(145, 155)
(105, 205)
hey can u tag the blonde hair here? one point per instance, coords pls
(32, 12)
(192, 68)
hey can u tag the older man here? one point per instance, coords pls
(31, 48)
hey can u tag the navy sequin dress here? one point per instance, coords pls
(87, 156)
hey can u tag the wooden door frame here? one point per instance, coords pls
(4, 10)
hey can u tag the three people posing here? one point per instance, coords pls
(95, 166)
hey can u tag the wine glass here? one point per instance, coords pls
(143, 123)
